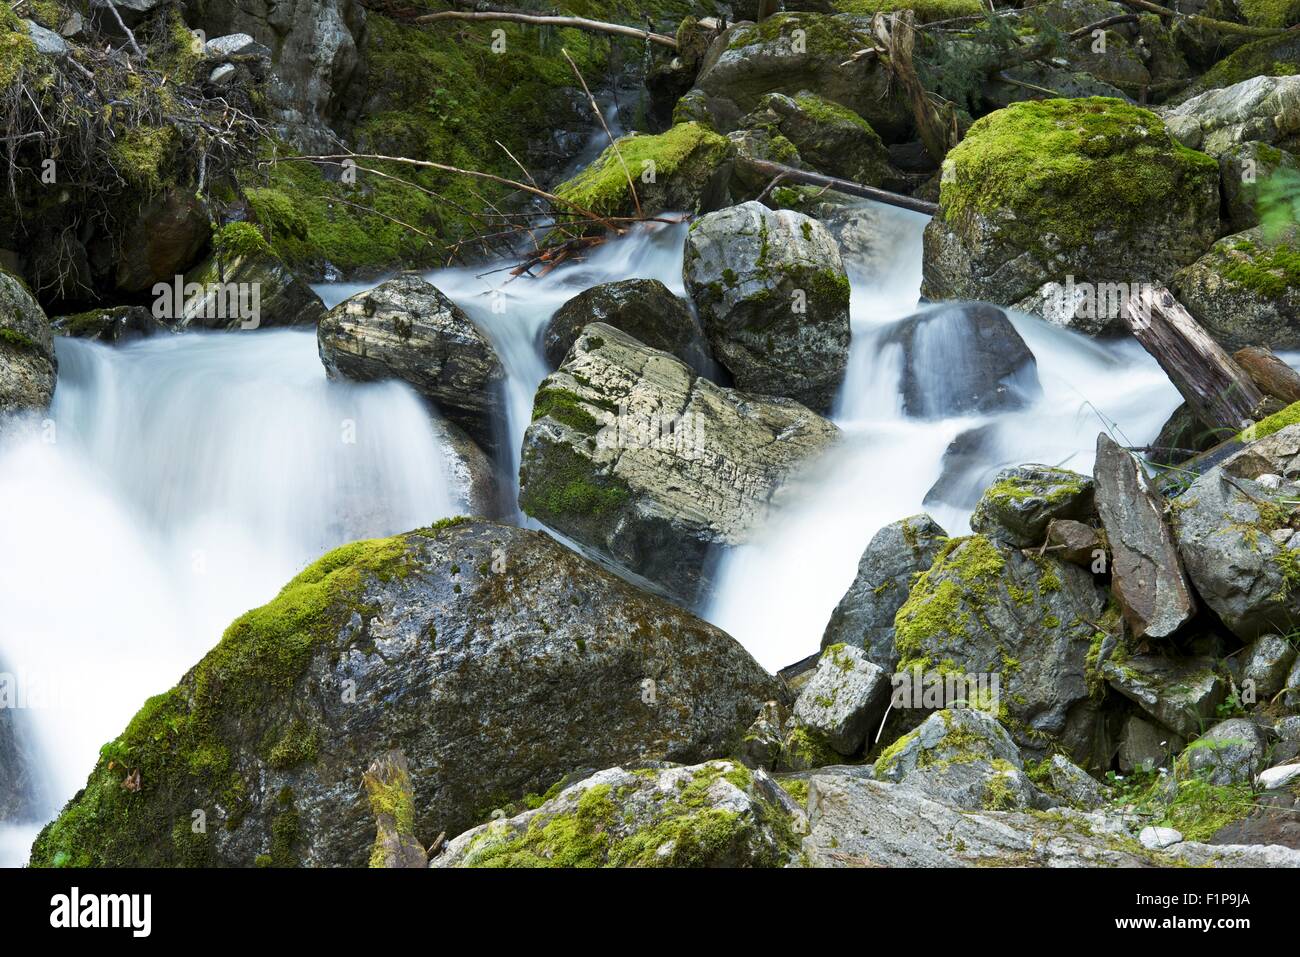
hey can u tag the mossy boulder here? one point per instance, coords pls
(1271, 56)
(1018, 506)
(1270, 14)
(682, 170)
(1180, 693)
(1246, 290)
(1092, 188)
(926, 11)
(27, 361)
(773, 296)
(496, 659)
(830, 138)
(1231, 752)
(1243, 169)
(647, 465)
(114, 324)
(1265, 109)
(718, 814)
(844, 699)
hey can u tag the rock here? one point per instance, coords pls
(717, 814)
(164, 240)
(1017, 508)
(986, 609)
(1246, 290)
(644, 309)
(963, 758)
(472, 473)
(1158, 838)
(269, 293)
(773, 297)
(1075, 785)
(1091, 309)
(1009, 221)
(407, 329)
(1265, 664)
(388, 785)
(1291, 697)
(652, 467)
(1147, 577)
(845, 698)
(791, 52)
(861, 823)
(27, 360)
(1231, 752)
(1075, 542)
(962, 359)
(223, 74)
(970, 464)
(1145, 747)
(864, 617)
(753, 147)
(47, 42)
(1179, 693)
(1265, 109)
(1241, 168)
(1287, 747)
(1182, 436)
(114, 324)
(682, 170)
(830, 138)
(494, 657)
(761, 745)
(234, 45)
(1278, 777)
(1191, 854)
(1224, 527)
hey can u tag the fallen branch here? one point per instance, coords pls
(577, 23)
(768, 168)
(1219, 26)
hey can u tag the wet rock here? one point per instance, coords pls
(407, 329)
(1084, 308)
(717, 814)
(830, 138)
(963, 359)
(651, 467)
(643, 308)
(963, 758)
(844, 699)
(969, 466)
(1008, 223)
(269, 293)
(1244, 290)
(27, 360)
(1181, 437)
(472, 473)
(1231, 752)
(1076, 786)
(497, 659)
(864, 617)
(753, 147)
(1179, 693)
(115, 324)
(1265, 664)
(773, 296)
(1147, 577)
(1264, 109)
(1017, 508)
(1075, 542)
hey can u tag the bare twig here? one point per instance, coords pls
(595, 108)
(577, 23)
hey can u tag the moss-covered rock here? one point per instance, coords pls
(1272, 56)
(829, 138)
(1017, 507)
(27, 360)
(495, 658)
(1094, 188)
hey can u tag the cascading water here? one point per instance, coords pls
(193, 475)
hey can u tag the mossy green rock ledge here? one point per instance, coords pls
(497, 660)
(1093, 188)
(27, 361)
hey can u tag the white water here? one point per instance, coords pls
(193, 475)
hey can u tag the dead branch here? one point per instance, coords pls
(577, 23)
(768, 168)
(936, 124)
(1220, 26)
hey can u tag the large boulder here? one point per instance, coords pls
(719, 814)
(1242, 169)
(773, 296)
(864, 617)
(830, 138)
(1019, 505)
(1265, 664)
(27, 361)
(1246, 290)
(1231, 752)
(496, 659)
(1147, 577)
(844, 699)
(1182, 694)
(1265, 109)
(163, 241)
(791, 52)
(643, 308)
(407, 329)
(985, 609)
(1092, 189)
(633, 456)
(961, 359)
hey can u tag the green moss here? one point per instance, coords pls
(235, 240)
(1271, 14)
(797, 788)
(564, 407)
(965, 571)
(1200, 809)
(297, 745)
(18, 54)
(13, 337)
(1270, 270)
(927, 11)
(807, 749)
(1274, 56)
(565, 483)
(1273, 423)
(142, 155)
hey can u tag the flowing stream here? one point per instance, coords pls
(183, 479)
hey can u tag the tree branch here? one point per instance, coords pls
(577, 23)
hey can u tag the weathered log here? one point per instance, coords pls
(936, 124)
(768, 168)
(537, 20)
(1220, 394)
(1273, 376)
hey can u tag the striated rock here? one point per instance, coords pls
(1075, 542)
(717, 814)
(962, 359)
(643, 308)
(844, 699)
(282, 298)
(1179, 693)
(773, 296)
(27, 360)
(963, 758)
(1017, 508)
(1045, 189)
(864, 617)
(1231, 752)
(1265, 663)
(1264, 109)
(651, 467)
(1147, 577)
(494, 657)
(1076, 786)
(407, 329)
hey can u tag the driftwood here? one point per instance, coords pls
(577, 23)
(783, 172)
(1218, 391)
(1273, 376)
